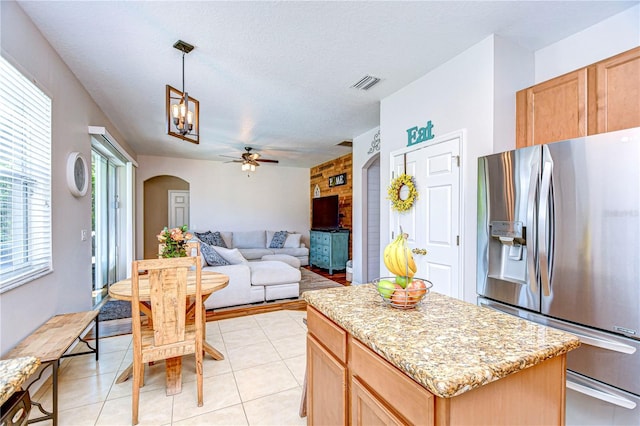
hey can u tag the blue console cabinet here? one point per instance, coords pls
(329, 249)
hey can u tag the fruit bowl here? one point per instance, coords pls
(393, 294)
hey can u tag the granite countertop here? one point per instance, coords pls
(13, 373)
(447, 345)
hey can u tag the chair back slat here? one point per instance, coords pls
(168, 289)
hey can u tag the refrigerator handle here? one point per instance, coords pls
(531, 205)
(599, 394)
(543, 249)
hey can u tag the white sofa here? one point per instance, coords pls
(255, 244)
(252, 280)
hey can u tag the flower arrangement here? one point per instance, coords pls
(174, 241)
(402, 192)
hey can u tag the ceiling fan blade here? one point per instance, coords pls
(233, 161)
(264, 160)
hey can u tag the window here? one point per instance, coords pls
(25, 179)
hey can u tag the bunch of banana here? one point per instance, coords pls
(398, 258)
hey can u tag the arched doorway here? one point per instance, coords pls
(156, 209)
(371, 219)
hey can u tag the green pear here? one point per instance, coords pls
(386, 288)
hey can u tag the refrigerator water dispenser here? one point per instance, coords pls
(507, 251)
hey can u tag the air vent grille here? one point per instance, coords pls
(348, 144)
(366, 82)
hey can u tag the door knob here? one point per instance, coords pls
(419, 251)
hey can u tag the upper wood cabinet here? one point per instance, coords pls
(602, 97)
(618, 92)
(553, 110)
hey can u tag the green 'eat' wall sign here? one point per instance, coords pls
(420, 134)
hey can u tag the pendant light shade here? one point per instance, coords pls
(183, 111)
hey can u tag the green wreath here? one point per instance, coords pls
(402, 193)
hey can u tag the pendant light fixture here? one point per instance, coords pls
(183, 111)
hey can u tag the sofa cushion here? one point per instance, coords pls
(250, 239)
(289, 260)
(278, 239)
(271, 272)
(238, 292)
(255, 253)
(282, 291)
(233, 256)
(211, 256)
(292, 241)
(300, 251)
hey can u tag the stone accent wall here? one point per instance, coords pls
(320, 174)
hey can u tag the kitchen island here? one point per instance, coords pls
(445, 362)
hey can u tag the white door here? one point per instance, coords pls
(433, 223)
(178, 208)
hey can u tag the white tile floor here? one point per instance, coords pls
(258, 383)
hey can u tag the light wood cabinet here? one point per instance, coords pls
(393, 395)
(618, 92)
(348, 383)
(552, 111)
(327, 386)
(367, 409)
(326, 372)
(602, 97)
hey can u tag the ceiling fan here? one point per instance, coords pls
(249, 159)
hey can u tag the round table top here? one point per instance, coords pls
(211, 282)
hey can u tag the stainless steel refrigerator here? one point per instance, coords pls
(559, 244)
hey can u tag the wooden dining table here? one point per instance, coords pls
(211, 282)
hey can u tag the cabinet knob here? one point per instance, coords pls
(419, 251)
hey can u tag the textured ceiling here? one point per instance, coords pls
(276, 75)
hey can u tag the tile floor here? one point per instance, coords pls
(258, 383)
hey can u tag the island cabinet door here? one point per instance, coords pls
(382, 394)
(367, 409)
(326, 386)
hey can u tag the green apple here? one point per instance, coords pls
(386, 288)
(403, 281)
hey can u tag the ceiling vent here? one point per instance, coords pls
(366, 82)
(347, 144)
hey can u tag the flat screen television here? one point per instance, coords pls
(325, 214)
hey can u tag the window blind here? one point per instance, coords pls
(25, 179)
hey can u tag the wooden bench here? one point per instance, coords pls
(49, 344)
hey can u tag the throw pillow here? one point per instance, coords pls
(218, 240)
(278, 239)
(233, 256)
(211, 256)
(292, 241)
(205, 237)
(211, 238)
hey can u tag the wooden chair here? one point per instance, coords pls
(170, 335)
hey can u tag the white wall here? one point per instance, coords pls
(513, 71)
(68, 287)
(617, 34)
(473, 91)
(223, 198)
(363, 151)
(457, 95)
